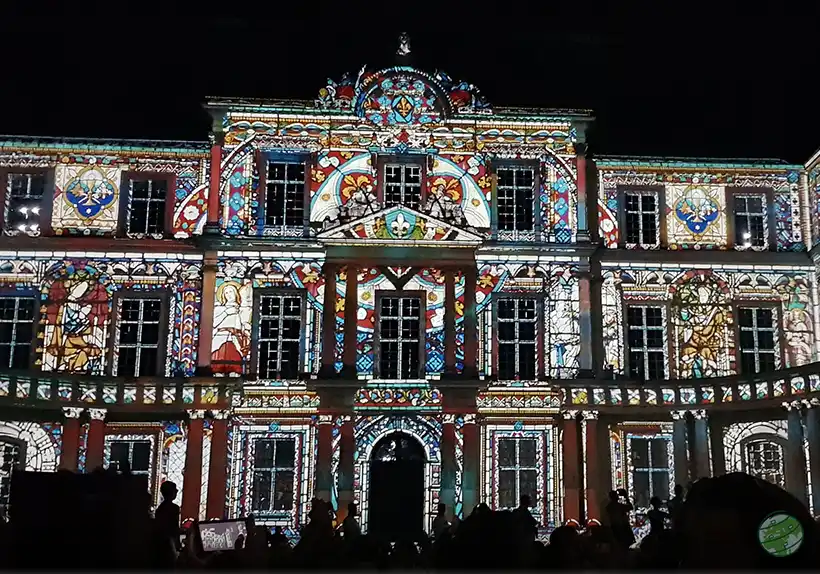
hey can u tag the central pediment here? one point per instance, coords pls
(400, 224)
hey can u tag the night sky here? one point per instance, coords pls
(725, 79)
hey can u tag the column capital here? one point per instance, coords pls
(221, 414)
(469, 419)
(678, 415)
(590, 415)
(699, 414)
(811, 403)
(448, 419)
(793, 405)
(569, 415)
(196, 414)
(324, 419)
(97, 414)
(72, 412)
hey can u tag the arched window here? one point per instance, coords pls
(398, 446)
(763, 457)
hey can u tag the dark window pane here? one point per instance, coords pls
(640, 453)
(641, 488)
(527, 452)
(507, 495)
(285, 453)
(506, 452)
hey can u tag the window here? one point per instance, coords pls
(133, 454)
(764, 459)
(280, 335)
(758, 340)
(16, 331)
(10, 456)
(517, 471)
(146, 208)
(642, 219)
(751, 221)
(285, 195)
(274, 469)
(402, 185)
(650, 469)
(517, 335)
(646, 336)
(24, 201)
(139, 336)
(516, 198)
(400, 338)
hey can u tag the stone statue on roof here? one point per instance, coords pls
(404, 45)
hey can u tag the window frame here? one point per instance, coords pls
(777, 313)
(47, 201)
(35, 326)
(771, 220)
(131, 441)
(667, 344)
(262, 163)
(535, 503)
(540, 335)
(164, 333)
(765, 437)
(537, 224)
(256, 323)
(296, 502)
(659, 191)
(650, 470)
(130, 177)
(377, 348)
(393, 159)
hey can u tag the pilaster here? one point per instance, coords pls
(592, 459)
(679, 446)
(218, 466)
(71, 438)
(95, 445)
(796, 482)
(192, 481)
(570, 450)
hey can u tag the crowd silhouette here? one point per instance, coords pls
(715, 524)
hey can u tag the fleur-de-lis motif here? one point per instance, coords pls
(400, 226)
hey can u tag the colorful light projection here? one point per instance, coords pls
(701, 313)
(86, 198)
(740, 442)
(43, 443)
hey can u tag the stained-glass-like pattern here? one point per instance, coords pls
(86, 199)
(756, 448)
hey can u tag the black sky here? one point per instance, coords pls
(723, 79)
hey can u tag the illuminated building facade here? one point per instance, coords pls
(399, 270)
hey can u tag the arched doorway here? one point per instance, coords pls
(396, 495)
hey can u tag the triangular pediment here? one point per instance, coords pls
(400, 224)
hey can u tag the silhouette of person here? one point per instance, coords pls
(524, 520)
(166, 525)
(440, 522)
(657, 517)
(350, 525)
(618, 514)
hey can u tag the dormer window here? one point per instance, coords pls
(402, 185)
(516, 202)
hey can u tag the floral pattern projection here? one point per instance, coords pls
(233, 309)
(75, 333)
(696, 199)
(86, 198)
(556, 285)
(431, 282)
(701, 322)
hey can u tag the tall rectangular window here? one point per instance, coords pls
(646, 340)
(759, 351)
(9, 460)
(402, 185)
(764, 459)
(280, 336)
(751, 221)
(133, 454)
(139, 337)
(146, 208)
(285, 195)
(641, 219)
(16, 331)
(517, 471)
(400, 338)
(516, 198)
(274, 470)
(25, 193)
(649, 459)
(517, 339)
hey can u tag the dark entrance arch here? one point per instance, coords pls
(396, 509)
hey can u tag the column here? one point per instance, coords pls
(328, 368)
(795, 453)
(679, 447)
(71, 438)
(716, 442)
(585, 364)
(192, 483)
(347, 448)
(470, 323)
(581, 169)
(324, 459)
(448, 463)
(813, 436)
(570, 451)
(449, 322)
(351, 307)
(214, 203)
(218, 467)
(471, 482)
(701, 446)
(206, 315)
(95, 445)
(593, 470)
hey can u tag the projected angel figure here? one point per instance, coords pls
(232, 327)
